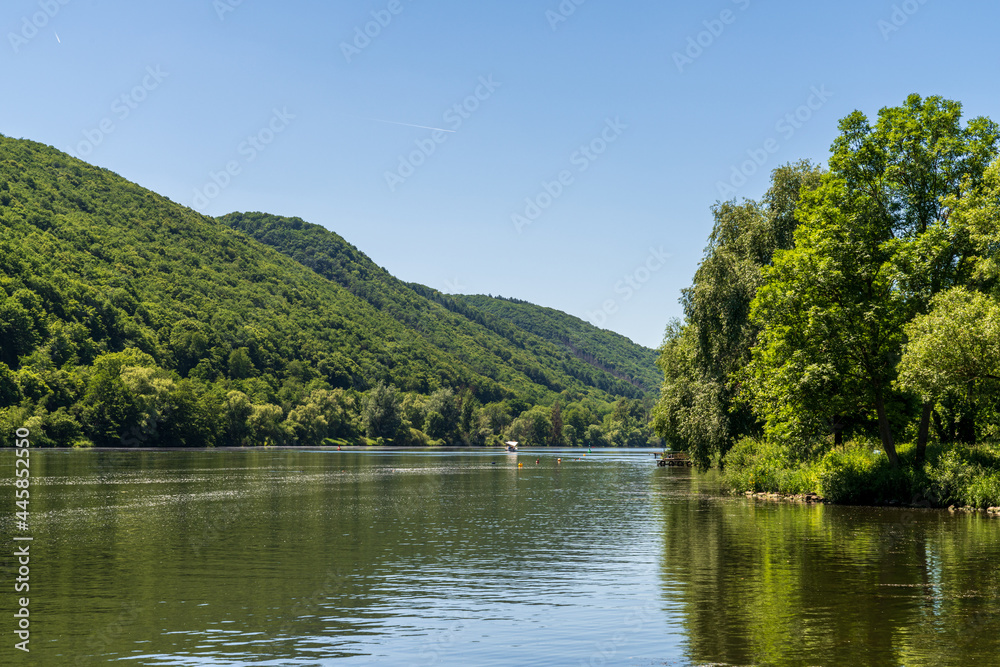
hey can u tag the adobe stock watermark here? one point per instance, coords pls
(445, 641)
(786, 126)
(454, 118)
(121, 108)
(102, 639)
(630, 285)
(248, 150)
(586, 155)
(223, 7)
(31, 25)
(637, 621)
(562, 13)
(900, 16)
(365, 34)
(699, 43)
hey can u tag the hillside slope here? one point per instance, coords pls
(488, 343)
(602, 349)
(89, 253)
(128, 319)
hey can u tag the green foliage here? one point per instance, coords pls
(967, 478)
(759, 465)
(531, 428)
(495, 347)
(691, 413)
(629, 425)
(442, 415)
(862, 474)
(703, 359)
(874, 245)
(380, 412)
(953, 348)
(885, 298)
(596, 357)
(128, 320)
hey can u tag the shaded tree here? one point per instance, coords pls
(380, 412)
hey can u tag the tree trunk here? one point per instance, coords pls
(884, 430)
(939, 426)
(838, 431)
(922, 432)
(967, 429)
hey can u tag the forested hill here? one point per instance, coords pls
(600, 348)
(128, 319)
(474, 329)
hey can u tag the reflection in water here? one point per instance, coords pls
(303, 558)
(789, 584)
(273, 557)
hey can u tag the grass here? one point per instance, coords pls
(860, 473)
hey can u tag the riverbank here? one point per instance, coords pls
(813, 499)
(859, 473)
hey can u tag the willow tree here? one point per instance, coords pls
(702, 357)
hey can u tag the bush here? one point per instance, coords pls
(862, 474)
(761, 465)
(960, 478)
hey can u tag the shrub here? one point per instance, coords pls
(762, 465)
(861, 473)
(959, 477)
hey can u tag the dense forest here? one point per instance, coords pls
(842, 335)
(128, 320)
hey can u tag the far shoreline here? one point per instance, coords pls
(762, 496)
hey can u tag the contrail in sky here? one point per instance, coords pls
(393, 122)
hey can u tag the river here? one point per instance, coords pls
(459, 557)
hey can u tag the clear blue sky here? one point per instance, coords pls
(167, 93)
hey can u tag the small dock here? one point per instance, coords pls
(674, 459)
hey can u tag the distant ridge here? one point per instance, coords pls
(127, 319)
(473, 329)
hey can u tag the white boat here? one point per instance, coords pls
(511, 445)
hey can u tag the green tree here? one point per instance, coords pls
(189, 342)
(555, 418)
(595, 437)
(10, 393)
(110, 409)
(497, 416)
(932, 163)
(17, 331)
(468, 422)
(380, 412)
(702, 359)
(236, 412)
(307, 424)
(830, 316)
(834, 306)
(413, 409)
(266, 424)
(240, 364)
(531, 428)
(442, 415)
(151, 393)
(954, 349)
